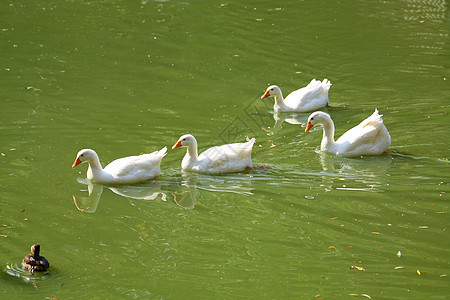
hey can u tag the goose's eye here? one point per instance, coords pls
(184, 140)
(312, 119)
(81, 155)
(271, 90)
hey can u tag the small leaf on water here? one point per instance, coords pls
(375, 232)
(399, 253)
(333, 218)
(423, 227)
(418, 272)
(399, 267)
(367, 296)
(331, 247)
(358, 268)
(353, 294)
(8, 267)
(3, 235)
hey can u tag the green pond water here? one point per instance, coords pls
(129, 77)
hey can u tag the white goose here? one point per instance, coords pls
(227, 158)
(309, 98)
(370, 137)
(126, 170)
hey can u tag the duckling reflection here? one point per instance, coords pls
(291, 118)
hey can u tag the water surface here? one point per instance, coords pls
(127, 77)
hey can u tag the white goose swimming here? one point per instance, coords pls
(126, 170)
(227, 158)
(370, 137)
(309, 98)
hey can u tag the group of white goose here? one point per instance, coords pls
(370, 137)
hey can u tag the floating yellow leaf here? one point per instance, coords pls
(358, 268)
(8, 267)
(367, 296)
(418, 272)
(331, 247)
(375, 232)
(4, 235)
(353, 294)
(333, 218)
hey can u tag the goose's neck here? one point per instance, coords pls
(191, 153)
(278, 98)
(95, 168)
(279, 102)
(328, 135)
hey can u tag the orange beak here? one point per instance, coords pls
(177, 145)
(266, 94)
(76, 163)
(309, 126)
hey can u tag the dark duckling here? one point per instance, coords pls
(34, 262)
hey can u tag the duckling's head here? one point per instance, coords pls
(84, 155)
(35, 249)
(185, 141)
(272, 90)
(318, 117)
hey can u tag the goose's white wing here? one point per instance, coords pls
(133, 164)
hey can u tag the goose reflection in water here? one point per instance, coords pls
(184, 190)
(291, 118)
(369, 170)
(90, 203)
